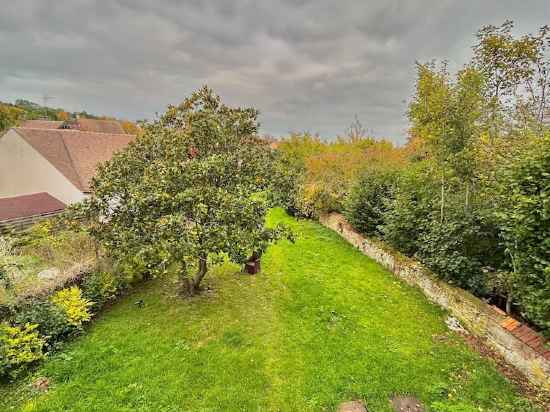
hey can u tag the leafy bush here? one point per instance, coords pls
(100, 287)
(286, 183)
(407, 212)
(51, 320)
(524, 217)
(369, 200)
(20, 346)
(459, 249)
(76, 308)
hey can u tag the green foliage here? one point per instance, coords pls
(10, 116)
(316, 176)
(368, 201)
(524, 217)
(187, 190)
(408, 210)
(459, 249)
(100, 287)
(452, 407)
(273, 342)
(286, 183)
(76, 307)
(516, 69)
(20, 346)
(51, 320)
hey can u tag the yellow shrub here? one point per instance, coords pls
(19, 347)
(76, 308)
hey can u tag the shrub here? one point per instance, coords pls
(51, 320)
(524, 217)
(100, 287)
(368, 201)
(20, 346)
(407, 212)
(460, 248)
(76, 308)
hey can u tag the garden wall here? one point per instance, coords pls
(518, 344)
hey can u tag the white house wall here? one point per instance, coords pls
(23, 171)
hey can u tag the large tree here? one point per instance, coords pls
(188, 192)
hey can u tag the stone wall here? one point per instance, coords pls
(518, 344)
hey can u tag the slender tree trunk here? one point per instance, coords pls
(442, 196)
(509, 300)
(467, 200)
(201, 272)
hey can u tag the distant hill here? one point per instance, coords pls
(14, 114)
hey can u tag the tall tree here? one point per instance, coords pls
(517, 71)
(188, 191)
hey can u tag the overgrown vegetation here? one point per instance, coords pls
(41, 304)
(468, 194)
(298, 337)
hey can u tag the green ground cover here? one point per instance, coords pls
(321, 324)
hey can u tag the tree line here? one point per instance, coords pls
(469, 194)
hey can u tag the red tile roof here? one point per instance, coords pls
(29, 205)
(74, 153)
(42, 124)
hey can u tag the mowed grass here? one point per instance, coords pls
(320, 325)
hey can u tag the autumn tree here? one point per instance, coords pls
(188, 192)
(517, 70)
(10, 116)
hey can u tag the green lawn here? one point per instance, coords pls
(321, 324)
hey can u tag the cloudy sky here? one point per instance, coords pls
(305, 64)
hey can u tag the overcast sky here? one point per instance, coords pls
(305, 64)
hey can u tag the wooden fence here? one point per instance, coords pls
(21, 224)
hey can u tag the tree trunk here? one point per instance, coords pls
(509, 304)
(467, 200)
(442, 197)
(201, 272)
(252, 265)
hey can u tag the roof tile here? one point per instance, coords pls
(28, 205)
(74, 153)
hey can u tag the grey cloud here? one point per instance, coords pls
(306, 65)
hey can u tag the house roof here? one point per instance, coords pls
(42, 124)
(74, 153)
(98, 126)
(84, 125)
(29, 205)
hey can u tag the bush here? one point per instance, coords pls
(100, 287)
(407, 212)
(460, 248)
(524, 217)
(76, 308)
(51, 321)
(368, 201)
(20, 346)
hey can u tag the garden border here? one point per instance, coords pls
(519, 345)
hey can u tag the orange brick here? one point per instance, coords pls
(521, 332)
(536, 342)
(511, 324)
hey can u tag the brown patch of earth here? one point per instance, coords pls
(406, 404)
